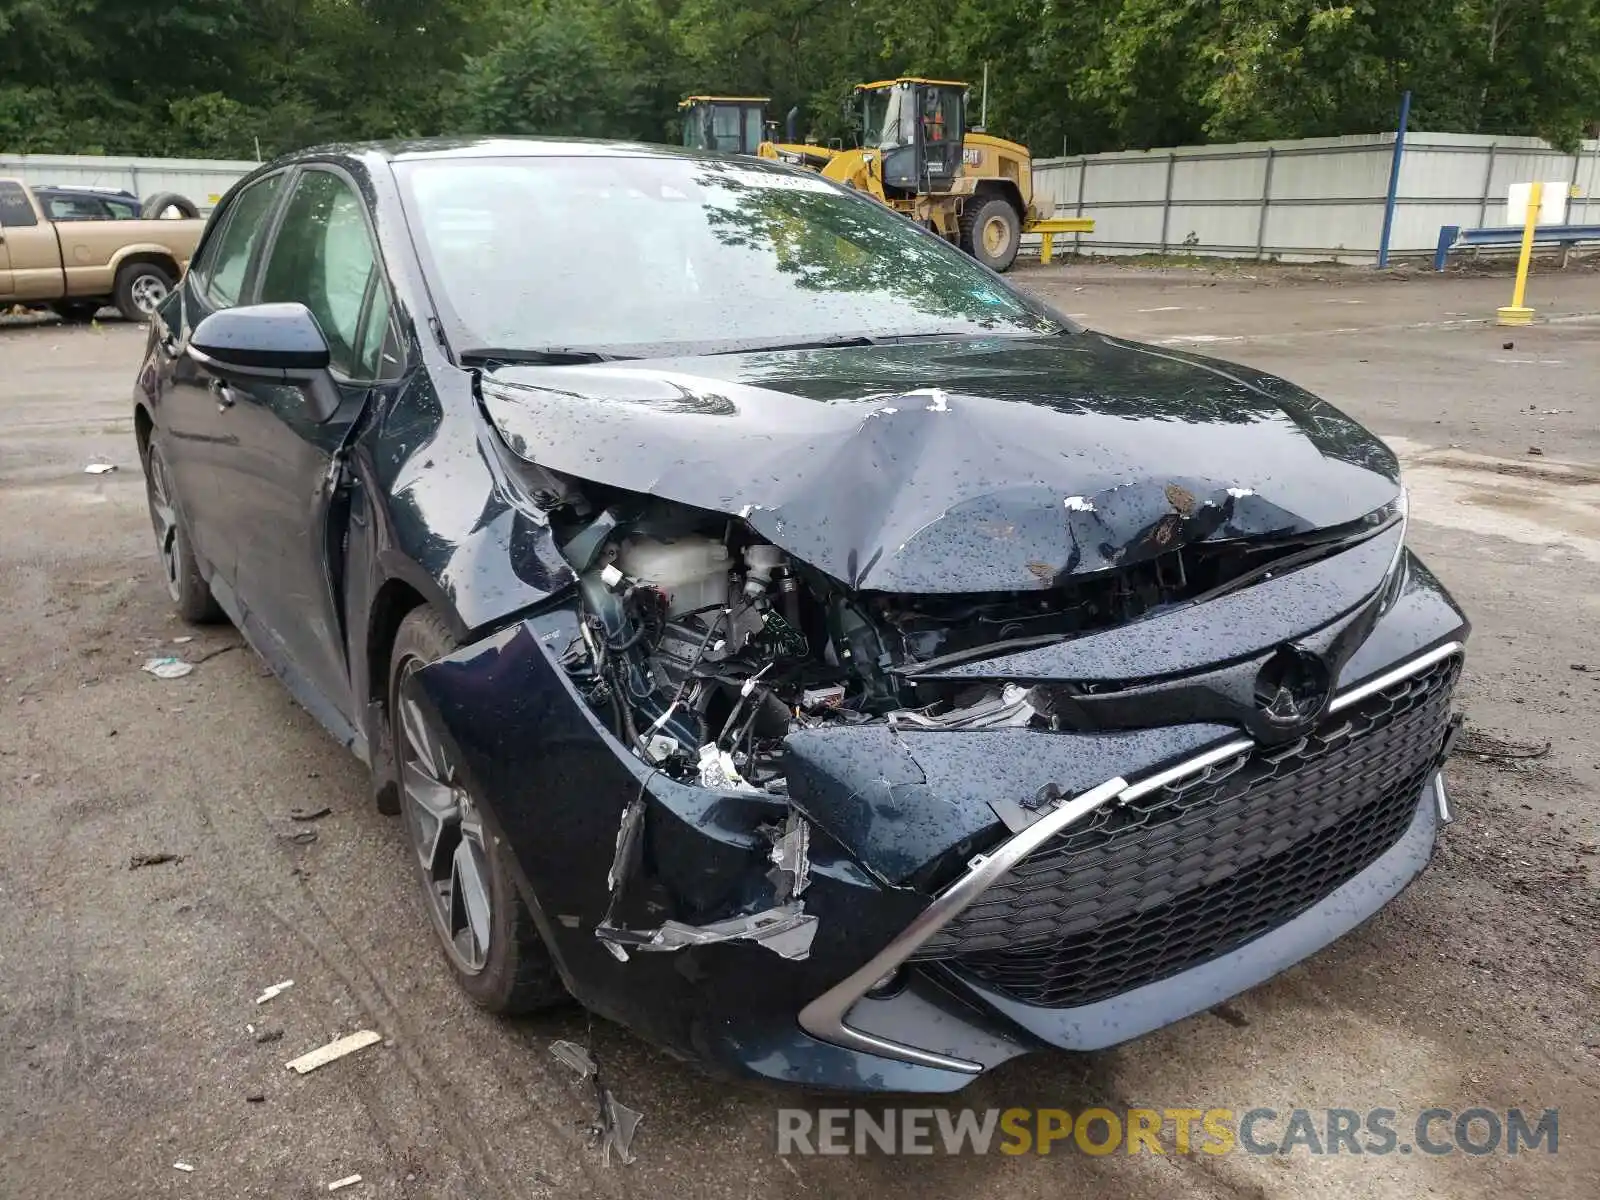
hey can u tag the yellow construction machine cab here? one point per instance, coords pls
(917, 128)
(730, 124)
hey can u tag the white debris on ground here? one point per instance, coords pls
(333, 1051)
(167, 667)
(274, 990)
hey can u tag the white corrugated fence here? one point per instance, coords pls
(202, 180)
(1308, 199)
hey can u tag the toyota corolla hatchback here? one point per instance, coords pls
(778, 633)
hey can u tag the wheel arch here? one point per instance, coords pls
(143, 426)
(1006, 189)
(394, 600)
(158, 256)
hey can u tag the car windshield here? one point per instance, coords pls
(658, 255)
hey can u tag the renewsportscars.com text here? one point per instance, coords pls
(1099, 1131)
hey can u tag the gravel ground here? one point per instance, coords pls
(127, 995)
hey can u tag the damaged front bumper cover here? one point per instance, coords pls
(742, 973)
(827, 1016)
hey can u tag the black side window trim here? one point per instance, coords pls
(216, 235)
(250, 293)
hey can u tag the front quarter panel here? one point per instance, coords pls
(452, 523)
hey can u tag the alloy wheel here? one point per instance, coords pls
(164, 517)
(446, 831)
(147, 292)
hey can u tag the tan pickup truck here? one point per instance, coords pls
(77, 267)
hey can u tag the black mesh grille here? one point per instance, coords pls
(1144, 890)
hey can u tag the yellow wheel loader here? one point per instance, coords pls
(918, 156)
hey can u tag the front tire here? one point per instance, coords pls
(190, 594)
(991, 231)
(485, 930)
(140, 288)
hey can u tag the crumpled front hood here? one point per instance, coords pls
(963, 466)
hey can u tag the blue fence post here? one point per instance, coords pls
(1447, 238)
(1394, 180)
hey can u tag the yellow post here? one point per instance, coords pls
(1046, 247)
(1515, 313)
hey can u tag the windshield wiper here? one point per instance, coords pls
(548, 356)
(809, 344)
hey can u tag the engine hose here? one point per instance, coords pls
(744, 694)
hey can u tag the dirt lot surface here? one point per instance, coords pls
(126, 995)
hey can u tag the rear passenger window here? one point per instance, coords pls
(76, 208)
(228, 255)
(16, 211)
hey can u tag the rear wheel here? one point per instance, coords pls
(141, 286)
(991, 231)
(185, 585)
(484, 928)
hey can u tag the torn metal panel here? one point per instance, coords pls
(577, 1057)
(929, 497)
(618, 1123)
(786, 930)
(791, 855)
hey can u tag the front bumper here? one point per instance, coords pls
(901, 845)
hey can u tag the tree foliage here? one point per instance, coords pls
(224, 77)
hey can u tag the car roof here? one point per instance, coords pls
(444, 148)
(86, 189)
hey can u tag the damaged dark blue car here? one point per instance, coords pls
(777, 632)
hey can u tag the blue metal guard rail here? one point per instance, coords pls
(1453, 237)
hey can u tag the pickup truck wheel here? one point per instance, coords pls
(76, 311)
(140, 287)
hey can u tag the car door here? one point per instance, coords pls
(30, 256)
(279, 480)
(192, 405)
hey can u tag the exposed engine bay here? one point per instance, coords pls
(703, 645)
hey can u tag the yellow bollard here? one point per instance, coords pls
(1515, 313)
(1047, 245)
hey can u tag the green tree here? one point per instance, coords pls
(222, 76)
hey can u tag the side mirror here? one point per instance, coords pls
(268, 343)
